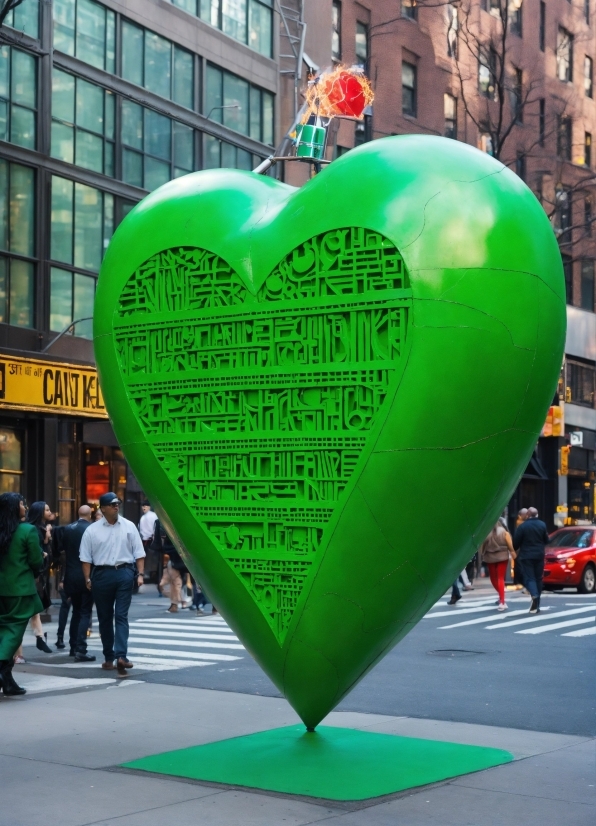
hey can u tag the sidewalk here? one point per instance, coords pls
(59, 757)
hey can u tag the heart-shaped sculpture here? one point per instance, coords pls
(330, 393)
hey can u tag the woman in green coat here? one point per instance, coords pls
(21, 559)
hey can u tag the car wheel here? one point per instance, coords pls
(587, 584)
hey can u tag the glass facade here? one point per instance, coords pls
(25, 18)
(82, 123)
(238, 104)
(249, 21)
(86, 30)
(156, 63)
(221, 154)
(17, 244)
(18, 96)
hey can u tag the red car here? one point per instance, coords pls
(571, 560)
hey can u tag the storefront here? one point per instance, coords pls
(56, 442)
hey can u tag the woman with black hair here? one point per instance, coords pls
(39, 516)
(21, 559)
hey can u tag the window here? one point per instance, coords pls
(452, 29)
(450, 110)
(562, 214)
(564, 55)
(542, 26)
(362, 45)
(155, 148)
(408, 9)
(588, 149)
(588, 76)
(485, 143)
(487, 69)
(237, 104)
(157, 64)
(11, 466)
(541, 121)
(18, 96)
(25, 18)
(587, 289)
(580, 383)
(568, 275)
(249, 21)
(588, 216)
(518, 95)
(221, 154)
(82, 221)
(520, 166)
(336, 31)
(564, 138)
(17, 226)
(515, 17)
(408, 89)
(587, 11)
(86, 30)
(82, 123)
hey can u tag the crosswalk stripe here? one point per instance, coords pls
(479, 620)
(583, 632)
(188, 655)
(164, 661)
(540, 618)
(554, 626)
(460, 612)
(180, 634)
(138, 638)
(220, 629)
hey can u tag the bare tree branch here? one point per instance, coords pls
(6, 6)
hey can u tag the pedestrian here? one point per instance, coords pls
(199, 597)
(75, 587)
(40, 516)
(495, 552)
(21, 559)
(147, 524)
(465, 581)
(518, 579)
(173, 570)
(98, 515)
(530, 540)
(455, 593)
(113, 546)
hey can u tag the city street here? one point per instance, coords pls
(465, 674)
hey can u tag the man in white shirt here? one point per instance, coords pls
(147, 524)
(114, 548)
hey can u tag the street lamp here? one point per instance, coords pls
(228, 106)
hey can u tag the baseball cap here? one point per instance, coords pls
(108, 499)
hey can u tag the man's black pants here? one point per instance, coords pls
(533, 571)
(82, 605)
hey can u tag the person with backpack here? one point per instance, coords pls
(494, 553)
(21, 560)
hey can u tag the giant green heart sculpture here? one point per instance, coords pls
(330, 393)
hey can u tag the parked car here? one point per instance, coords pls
(571, 560)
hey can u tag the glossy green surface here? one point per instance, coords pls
(329, 394)
(331, 763)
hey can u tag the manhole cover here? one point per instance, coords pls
(454, 652)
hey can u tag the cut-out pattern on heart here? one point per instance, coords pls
(259, 406)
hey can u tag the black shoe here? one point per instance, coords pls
(534, 607)
(9, 686)
(72, 653)
(41, 643)
(60, 642)
(84, 658)
(454, 600)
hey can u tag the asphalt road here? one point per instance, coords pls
(528, 675)
(540, 681)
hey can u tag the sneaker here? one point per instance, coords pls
(19, 660)
(468, 587)
(534, 609)
(502, 606)
(84, 658)
(200, 612)
(173, 609)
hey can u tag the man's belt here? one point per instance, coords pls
(118, 565)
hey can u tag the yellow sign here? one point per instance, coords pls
(50, 387)
(564, 469)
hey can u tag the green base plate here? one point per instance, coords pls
(331, 763)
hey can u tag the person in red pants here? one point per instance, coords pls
(494, 553)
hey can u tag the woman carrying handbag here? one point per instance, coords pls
(494, 553)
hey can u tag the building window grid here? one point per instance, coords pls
(25, 18)
(581, 379)
(239, 105)
(361, 46)
(18, 96)
(86, 30)
(83, 123)
(17, 244)
(248, 21)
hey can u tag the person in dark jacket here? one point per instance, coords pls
(529, 541)
(75, 587)
(175, 568)
(21, 559)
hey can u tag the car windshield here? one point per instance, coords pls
(571, 539)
